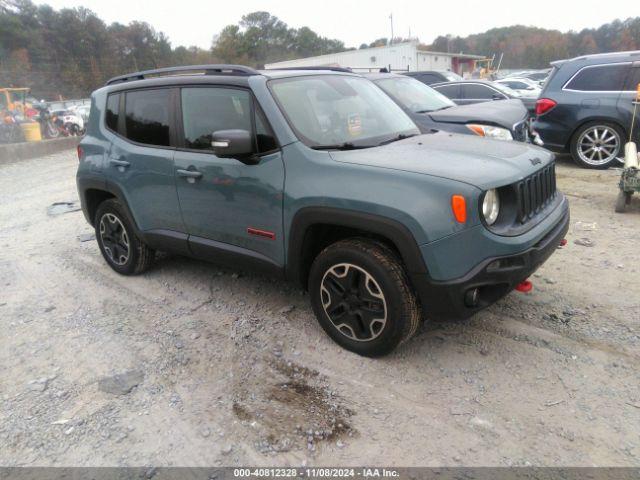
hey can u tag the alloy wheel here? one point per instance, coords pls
(354, 302)
(599, 145)
(114, 239)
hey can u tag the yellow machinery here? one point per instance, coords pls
(14, 100)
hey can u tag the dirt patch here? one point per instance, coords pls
(290, 407)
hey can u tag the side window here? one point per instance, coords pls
(111, 114)
(265, 138)
(633, 80)
(147, 116)
(600, 78)
(451, 91)
(478, 92)
(206, 110)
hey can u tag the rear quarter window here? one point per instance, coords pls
(599, 78)
(112, 112)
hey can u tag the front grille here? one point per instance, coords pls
(535, 192)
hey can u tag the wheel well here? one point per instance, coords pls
(93, 198)
(319, 236)
(596, 120)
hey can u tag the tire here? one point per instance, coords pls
(121, 248)
(360, 273)
(622, 200)
(597, 145)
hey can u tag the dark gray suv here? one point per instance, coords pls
(586, 106)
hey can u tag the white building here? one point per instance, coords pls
(406, 56)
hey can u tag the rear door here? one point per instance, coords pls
(228, 207)
(140, 161)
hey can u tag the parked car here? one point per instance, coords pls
(429, 77)
(476, 91)
(72, 122)
(431, 110)
(82, 111)
(524, 86)
(538, 76)
(378, 222)
(586, 107)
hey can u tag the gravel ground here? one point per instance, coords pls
(192, 365)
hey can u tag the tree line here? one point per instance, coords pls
(531, 47)
(70, 52)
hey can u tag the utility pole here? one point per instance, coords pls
(391, 18)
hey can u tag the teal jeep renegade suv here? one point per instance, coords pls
(321, 178)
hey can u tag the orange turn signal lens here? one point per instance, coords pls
(459, 207)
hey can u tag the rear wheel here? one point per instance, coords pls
(120, 247)
(597, 145)
(361, 296)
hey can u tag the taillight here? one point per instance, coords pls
(80, 153)
(543, 105)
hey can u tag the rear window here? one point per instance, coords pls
(147, 117)
(599, 78)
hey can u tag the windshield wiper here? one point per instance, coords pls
(340, 146)
(434, 110)
(402, 136)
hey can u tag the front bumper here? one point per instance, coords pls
(494, 278)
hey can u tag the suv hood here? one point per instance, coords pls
(473, 160)
(504, 113)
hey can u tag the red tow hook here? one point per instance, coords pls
(563, 242)
(525, 286)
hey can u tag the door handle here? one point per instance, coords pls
(119, 163)
(189, 173)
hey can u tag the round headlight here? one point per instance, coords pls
(491, 206)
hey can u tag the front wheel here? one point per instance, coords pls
(362, 298)
(120, 247)
(597, 145)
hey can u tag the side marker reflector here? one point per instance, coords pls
(459, 207)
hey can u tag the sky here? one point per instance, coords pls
(194, 22)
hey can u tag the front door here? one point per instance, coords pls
(228, 205)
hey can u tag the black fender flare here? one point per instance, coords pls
(391, 229)
(99, 183)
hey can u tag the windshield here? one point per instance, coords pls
(414, 95)
(335, 110)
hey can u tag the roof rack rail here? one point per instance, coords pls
(332, 69)
(215, 69)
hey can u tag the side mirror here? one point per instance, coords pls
(497, 96)
(234, 144)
